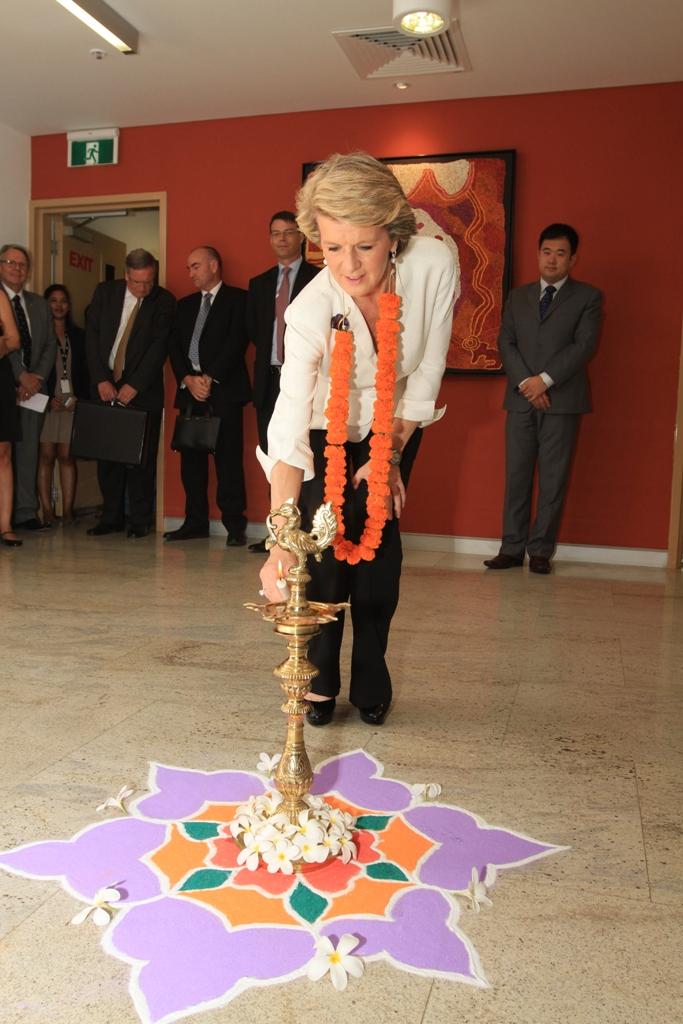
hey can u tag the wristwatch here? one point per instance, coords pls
(395, 458)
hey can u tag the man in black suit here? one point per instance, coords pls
(207, 349)
(266, 303)
(31, 365)
(127, 329)
(549, 332)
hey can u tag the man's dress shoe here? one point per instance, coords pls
(502, 561)
(376, 714)
(185, 533)
(102, 529)
(259, 548)
(321, 712)
(236, 540)
(137, 531)
(539, 564)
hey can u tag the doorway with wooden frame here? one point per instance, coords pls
(72, 242)
(675, 547)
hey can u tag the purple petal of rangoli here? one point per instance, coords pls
(186, 959)
(181, 792)
(106, 854)
(418, 935)
(357, 777)
(467, 843)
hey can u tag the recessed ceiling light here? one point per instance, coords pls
(401, 85)
(422, 19)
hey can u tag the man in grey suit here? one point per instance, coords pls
(549, 332)
(31, 365)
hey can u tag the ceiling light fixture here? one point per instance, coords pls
(422, 19)
(401, 85)
(107, 23)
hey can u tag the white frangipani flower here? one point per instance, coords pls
(101, 909)
(477, 892)
(426, 790)
(316, 803)
(268, 764)
(243, 824)
(118, 801)
(336, 961)
(309, 828)
(311, 852)
(254, 847)
(268, 803)
(347, 848)
(334, 816)
(331, 843)
(280, 856)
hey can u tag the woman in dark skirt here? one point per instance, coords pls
(67, 382)
(9, 420)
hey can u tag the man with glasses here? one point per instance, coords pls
(31, 365)
(269, 295)
(127, 329)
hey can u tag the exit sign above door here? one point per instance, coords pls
(93, 148)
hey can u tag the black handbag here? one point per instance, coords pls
(109, 432)
(195, 433)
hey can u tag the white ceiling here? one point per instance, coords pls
(220, 58)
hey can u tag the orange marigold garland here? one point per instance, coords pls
(337, 414)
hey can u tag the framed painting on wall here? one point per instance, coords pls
(465, 199)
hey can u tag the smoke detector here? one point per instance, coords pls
(388, 53)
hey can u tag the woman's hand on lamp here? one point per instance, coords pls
(276, 566)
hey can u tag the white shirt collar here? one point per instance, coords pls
(557, 284)
(213, 292)
(293, 266)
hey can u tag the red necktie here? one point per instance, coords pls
(281, 303)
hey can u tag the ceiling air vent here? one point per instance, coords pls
(386, 53)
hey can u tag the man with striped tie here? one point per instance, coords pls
(549, 332)
(31, 365)
(207, 347)
(127, 328)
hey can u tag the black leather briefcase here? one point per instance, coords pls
(110, 432)
(195, 433)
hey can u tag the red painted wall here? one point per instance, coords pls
(608, 161)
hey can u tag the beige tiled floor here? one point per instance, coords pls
(548, 705)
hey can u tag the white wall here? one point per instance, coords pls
(139, 230)
(15, 161)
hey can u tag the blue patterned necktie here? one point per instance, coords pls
(546, 299)
(24, 332)
(193, 354)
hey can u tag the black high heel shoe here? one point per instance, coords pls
(10, 542)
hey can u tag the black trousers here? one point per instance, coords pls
(371, 587)
(114, 478)
(265, 411)
(544, 441)
(231, 496)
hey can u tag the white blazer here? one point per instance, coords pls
(426, 280)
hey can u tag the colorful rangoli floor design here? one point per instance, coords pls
(198, 929)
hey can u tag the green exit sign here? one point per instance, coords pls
(93, 148)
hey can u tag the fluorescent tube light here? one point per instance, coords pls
(105, 22)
